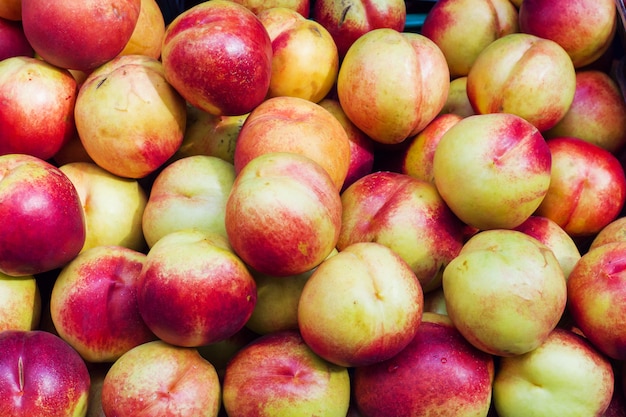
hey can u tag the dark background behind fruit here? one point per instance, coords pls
(416, 10)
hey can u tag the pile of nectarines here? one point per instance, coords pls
(308, 208)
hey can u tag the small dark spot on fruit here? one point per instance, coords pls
(100, 83)
(316, 31)
(343, 15)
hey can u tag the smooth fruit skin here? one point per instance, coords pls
(565, 376)
(587, 187)
(293, 124)
(112, 206)
(11, 9)
(279, 375)
(41, 217)
(457, 102)
(13, 42)
(194, 290)
(463, 28)
(612, 232)
(525, 75)
(220, 353)
(493, 170)
(418, 156)
(218, 56)
(71, 34)
(304, 56)
(277, 303)
(276, 308)
(283, 215)
(407, 215)
(346, 21)
(207, 134)
(38, 99)
(93, 303)
(597, 114)
(584, 28)
(129, 118)
(595, 290)
(438, 373)
(369, 76)
(158, 379)
(552, 235)
(257, 6)
(20, 303)
(188, 193)
(147, 37)
(360, 306)
(505, 292)
(361, 146)
(41, 376)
